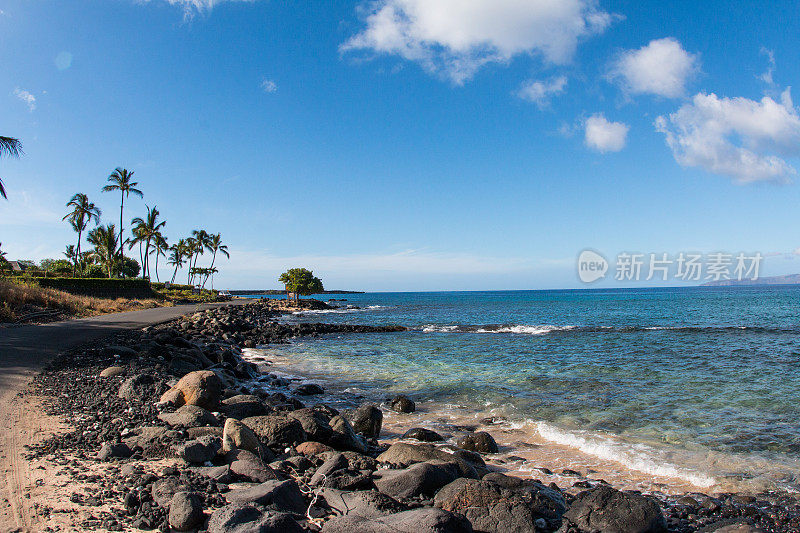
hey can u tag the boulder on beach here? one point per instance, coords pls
(276, 430)
(422, 435)
(202, 388)
(363, 503)
(247, 518)
(200, 450)
(367, 420)
(250, 467)
(189, 416)
(405, 454)
(311, 447)
(309, 389)
(492, 508)
(606, 509)
(315, 423)
(236, 435)
(402, 404)
(243, 406)
(421, 479)
(276, 495)
(117, 450)
(480, 441)
(422, 520)
(344, 436)
(186, 511)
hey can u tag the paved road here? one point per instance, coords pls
(25, 350)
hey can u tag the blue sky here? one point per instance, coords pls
(409, 144)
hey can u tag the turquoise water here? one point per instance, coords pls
(702, 370)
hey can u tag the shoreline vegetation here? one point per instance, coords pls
(177, 427)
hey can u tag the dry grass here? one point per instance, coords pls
(24, 303)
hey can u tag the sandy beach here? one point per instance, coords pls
(98, 441)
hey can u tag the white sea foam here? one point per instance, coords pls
(633, 456)
(523, 329)
(435, 328)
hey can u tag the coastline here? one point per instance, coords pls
(85, 365)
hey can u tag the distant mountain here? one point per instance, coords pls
(789, 279)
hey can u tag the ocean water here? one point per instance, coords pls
(698, 387)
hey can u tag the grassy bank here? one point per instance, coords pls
(21, 302)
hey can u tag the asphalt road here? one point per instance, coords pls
(24, 350)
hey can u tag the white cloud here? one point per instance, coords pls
(540, 92)
(458, 37)
(269, 86)
(766, 77)
(662, 68)
(193, 7)
(25, 96)
(735, 137)
(605, 136)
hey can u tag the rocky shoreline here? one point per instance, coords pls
(171, 429)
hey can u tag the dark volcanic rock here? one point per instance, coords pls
(118, 450)
(405, 454)
(201, 450)
(276, 495)
(402, 404)
(421, 479)
(189, 416)
(495, 509)
(607, 509)
(364, 503)
(423, 435)
(309, 389)
(479, 441)
(248, 518)
(423, 520)
(367, 420)
(186, 511)
(276, 431)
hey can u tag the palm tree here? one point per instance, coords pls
(146, 230)
(9, 146)
(215, 245)
(160, 247)
(83, 212)
(202, 241)
(104, 240)
(121, 180)
(177, 253)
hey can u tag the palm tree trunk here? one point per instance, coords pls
(78, 249)
(174, 273)
(121, 206)
(213, 258)
(157, 280)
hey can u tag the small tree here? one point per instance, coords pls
(300, 282)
